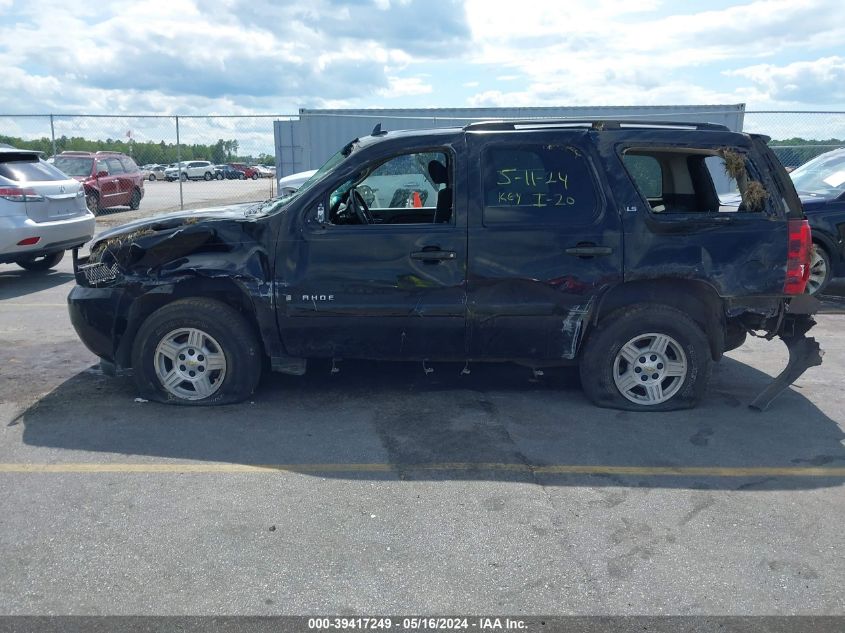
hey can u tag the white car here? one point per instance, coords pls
(264, 172)
(289, 184)
(191, 170)
(42, 211)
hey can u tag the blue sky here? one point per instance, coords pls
(254, 56)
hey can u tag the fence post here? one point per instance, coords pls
(53, 134)
(179, 165)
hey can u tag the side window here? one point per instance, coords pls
(102, 166)
(645, 170)
(405, 189)
(129, 164)
(534, 184)
(696, 181)
(115, 167)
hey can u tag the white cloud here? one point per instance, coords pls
(403, 87)
(818, 81)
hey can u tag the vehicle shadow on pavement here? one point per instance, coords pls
(19, 282)
(406, 424)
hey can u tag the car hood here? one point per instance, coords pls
(181, 218)
(814, 203)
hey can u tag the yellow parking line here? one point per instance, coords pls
(555, 469)
(15, 304)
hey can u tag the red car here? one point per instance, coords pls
(110, 179)
(246, 170)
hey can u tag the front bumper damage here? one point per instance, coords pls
(804, 352)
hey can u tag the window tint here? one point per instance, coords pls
(30, 171)
(538, 184)
(645, 170)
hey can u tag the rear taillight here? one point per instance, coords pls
(19, 194)
(797, 257)
(29, 241)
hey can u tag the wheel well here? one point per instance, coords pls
(695, 298)
(223, 290)
(827, 245)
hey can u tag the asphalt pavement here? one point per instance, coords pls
(383, 488)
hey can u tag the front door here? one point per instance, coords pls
(378, 267)
(544, 241)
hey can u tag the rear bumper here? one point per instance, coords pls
(54, 236)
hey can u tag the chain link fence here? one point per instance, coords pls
(247, 142)
(239, 153)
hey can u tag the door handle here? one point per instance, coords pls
(589, 250)
(434, 255)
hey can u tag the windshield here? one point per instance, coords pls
(268, 206)
(824, 175)
(77, 166)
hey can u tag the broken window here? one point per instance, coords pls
(695, 180)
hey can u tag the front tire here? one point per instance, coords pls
(196, 352)
(92, 201)
(152, 178)
(254, 176)
(646, 358)
(207, 175)
(44, 262)
(819, 270)
(184, 177)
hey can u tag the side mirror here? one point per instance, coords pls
(102, 174)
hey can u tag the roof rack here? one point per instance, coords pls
(593, 124)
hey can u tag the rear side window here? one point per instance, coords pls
(534, 184)
(115, 166)
(74, 165)
(129, 164)
(696, 181)
(28, 170)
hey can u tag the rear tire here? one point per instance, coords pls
(184, 177)
(207, 175)
(152, 177)
(135, 200)
(820, 271)
(646, 358)
(254, 176)
(198, 336)
(44, 262)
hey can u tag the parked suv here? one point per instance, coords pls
(541, 242)
(110, 179)
(192, 170)
(42, 211)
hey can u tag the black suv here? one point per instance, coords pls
(545, 243)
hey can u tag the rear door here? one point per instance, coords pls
(704, 210)
(544, 241)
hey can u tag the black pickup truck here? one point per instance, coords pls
(545, 243)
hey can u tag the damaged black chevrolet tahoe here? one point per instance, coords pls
(544, 243)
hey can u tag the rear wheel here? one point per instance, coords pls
(135, 200)
(242, 176)
(646, 358)
(255, 175)
(42, 262)
(196, 352)
(152, 177)
(184, 177)
(819, 270)
(219, 175)
(207, 175)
